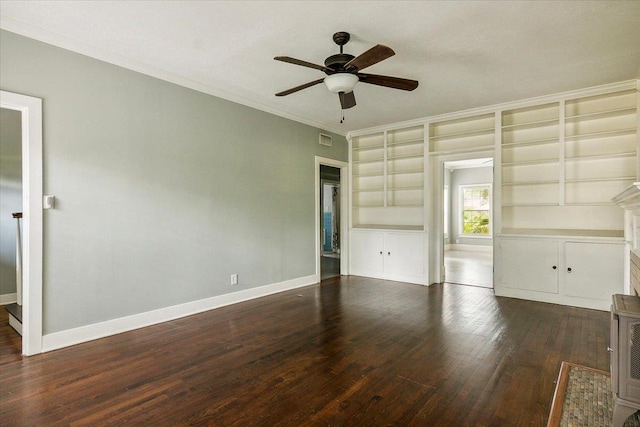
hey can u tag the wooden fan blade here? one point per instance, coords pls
(372, 56)
(302, 63)
(297, 88)
(347, 100)
(392, 82)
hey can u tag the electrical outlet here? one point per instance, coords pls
(234, 279)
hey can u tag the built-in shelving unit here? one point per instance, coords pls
(475, 133)
(600, 147)
(388, 179)
(530, 158)
(562, 162)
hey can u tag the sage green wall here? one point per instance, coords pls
(162, 192)
(10, 194)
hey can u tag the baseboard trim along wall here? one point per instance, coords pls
(8, 298)
(87, 333)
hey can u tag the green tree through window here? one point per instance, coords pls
(476, 209)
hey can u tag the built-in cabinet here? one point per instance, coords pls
(558, 163)
(392, 255)
(582, 273)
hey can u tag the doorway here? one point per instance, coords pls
(467, 222)
(332, 240)
(330, 227)
(30, 110)
(10, 224)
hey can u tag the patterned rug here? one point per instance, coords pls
(583, 398)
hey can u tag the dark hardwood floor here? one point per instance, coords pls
(349, 351)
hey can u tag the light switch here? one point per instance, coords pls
(48, 202)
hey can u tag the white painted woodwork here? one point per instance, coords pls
(404, 254)
(596, 269)
(367, 249)
(525, 270)
(528, 264)
(388, 178)
(391, 255)
(32, 232)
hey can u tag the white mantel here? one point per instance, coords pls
(629, 200)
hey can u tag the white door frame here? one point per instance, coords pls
(436, 220)
(344, 203)
(31, 110)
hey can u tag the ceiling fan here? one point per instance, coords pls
(343, 71)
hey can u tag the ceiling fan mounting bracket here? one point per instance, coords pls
(341, 38)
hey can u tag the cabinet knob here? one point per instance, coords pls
(388, 253)
(569, 269)
(380, 252)
(554, 267)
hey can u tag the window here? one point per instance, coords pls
(476, 209)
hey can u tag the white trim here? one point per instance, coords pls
(10, 24)
(470, 248)
(579, 93)
(31, 109)
(8, 298)
(15, 324)
(95, 331)
(436, 200)
(344, 210)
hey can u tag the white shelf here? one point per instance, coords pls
(541, 141)
(622, 178)
(405, 172)
(358, 162)
(531, 125)
(402, 143)
(406, 156)
(592, 135)
(393, 227)
(389, 189)
(368, 149)
(463, 150)
(601, 156)
(530, 183)
(601, 114)
(531, 162)
(466, 134)
(554, 232)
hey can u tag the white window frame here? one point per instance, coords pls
(461, 232)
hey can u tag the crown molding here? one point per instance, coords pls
(12, 25)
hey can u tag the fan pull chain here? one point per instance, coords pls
(342, 111)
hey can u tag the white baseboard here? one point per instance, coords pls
(8, 298)
(15, 324)
(95, 331)
(473, 248)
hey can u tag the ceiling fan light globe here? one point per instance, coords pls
(341, 82)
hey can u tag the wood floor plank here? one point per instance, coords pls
(348, 351)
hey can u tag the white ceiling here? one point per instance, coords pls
(464, 54)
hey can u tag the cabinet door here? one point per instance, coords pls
(528, 264)
(404, 254)
(366, 253)
(594, 270)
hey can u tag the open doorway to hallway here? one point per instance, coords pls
(10, 226)
(330, 221)
(468, 214)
